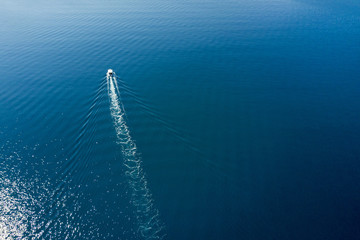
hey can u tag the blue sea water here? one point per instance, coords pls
(226, 119)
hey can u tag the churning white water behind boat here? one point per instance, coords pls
(149, 224)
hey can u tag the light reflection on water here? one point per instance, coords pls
(27, 202)
(13, 210)
(17, 205)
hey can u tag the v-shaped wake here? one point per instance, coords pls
(149, 224)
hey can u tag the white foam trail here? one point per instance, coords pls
(149, 224)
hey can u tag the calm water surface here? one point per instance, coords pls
(227, 120)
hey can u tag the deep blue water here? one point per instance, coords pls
(242, 119)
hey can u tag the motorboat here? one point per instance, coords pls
(110, 72)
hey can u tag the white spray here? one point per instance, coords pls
(149, 224)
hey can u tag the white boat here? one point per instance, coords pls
(109, 73)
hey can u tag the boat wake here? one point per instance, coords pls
(148, 220)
